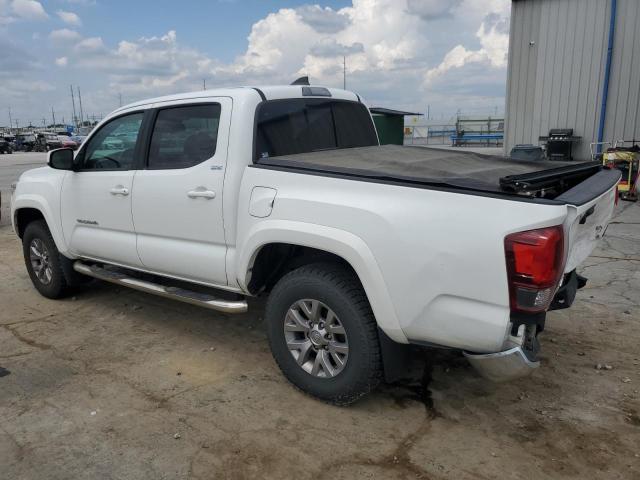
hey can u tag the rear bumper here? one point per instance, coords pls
(521, 359)
(502, 366)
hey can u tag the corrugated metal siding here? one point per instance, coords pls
(557, 83)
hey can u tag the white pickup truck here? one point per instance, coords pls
(215, 196)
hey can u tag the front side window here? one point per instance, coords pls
(113, 146)
(184, 136)
(302, 125)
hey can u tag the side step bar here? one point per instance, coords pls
(175, 293)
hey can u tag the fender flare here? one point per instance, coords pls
(37, 202)
(338, 242)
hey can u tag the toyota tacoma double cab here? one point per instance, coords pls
(216, 196)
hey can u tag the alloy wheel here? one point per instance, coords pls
(316, 338)
(40, 261)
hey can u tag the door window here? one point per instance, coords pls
(113, 146)
(184, 136)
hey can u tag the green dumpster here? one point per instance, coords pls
(390, 125)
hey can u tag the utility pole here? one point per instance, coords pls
(73, 104)
(428, 112)
(344, 72)
(81, 113)
(53, 115)
(204, 84)
(10, 122)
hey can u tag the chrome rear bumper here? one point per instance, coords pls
(502, 366)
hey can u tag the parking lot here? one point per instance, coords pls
(113, 383)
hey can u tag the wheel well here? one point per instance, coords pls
(24, 217)
(275, 260)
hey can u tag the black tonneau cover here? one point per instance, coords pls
(420, 165)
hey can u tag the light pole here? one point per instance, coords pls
(344, 72)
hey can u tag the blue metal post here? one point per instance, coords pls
(607, 75)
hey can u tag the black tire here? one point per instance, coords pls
(58, 286)
(340, 290)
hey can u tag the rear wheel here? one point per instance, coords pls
(43, 261)
(323, 334)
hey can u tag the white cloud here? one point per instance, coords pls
(494, 44)
(62, 61)
(28, 10)
(399, 53)
(90, 45)
(432, 9)
(329, 47)
(149, 64)
(323, 20)
(64, 35)
(313, 40)
(69, 18)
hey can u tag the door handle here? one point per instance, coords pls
(197, 193)
(119, 190)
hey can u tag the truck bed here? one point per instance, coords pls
(438, 167)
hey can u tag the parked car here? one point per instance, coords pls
(78, 139)
(361, 249)
(5, 146)
(25, 142)
(67, 142)
(52, 141)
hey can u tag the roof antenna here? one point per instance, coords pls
(302, 81)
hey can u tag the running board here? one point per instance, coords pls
(175, 293)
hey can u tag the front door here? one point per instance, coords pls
(177, 204)
(96, 198)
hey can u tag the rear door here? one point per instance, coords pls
(95, 200)
(177, 206)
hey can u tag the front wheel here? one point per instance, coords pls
(43, 261)
(323, 334)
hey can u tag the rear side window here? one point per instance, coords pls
(184, 136)
(302, 125)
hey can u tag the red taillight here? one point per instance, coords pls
(535, 260)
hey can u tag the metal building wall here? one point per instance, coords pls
(557, 58)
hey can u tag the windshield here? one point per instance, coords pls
(302, 125)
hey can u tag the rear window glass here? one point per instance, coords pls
(184, 136)
(302, 125)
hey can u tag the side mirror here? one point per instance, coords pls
(60, 159)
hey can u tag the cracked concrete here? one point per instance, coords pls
(101, 383)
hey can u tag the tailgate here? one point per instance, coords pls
(590, 208)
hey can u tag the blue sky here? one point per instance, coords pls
(449, 54)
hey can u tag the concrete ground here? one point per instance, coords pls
(117, 384)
